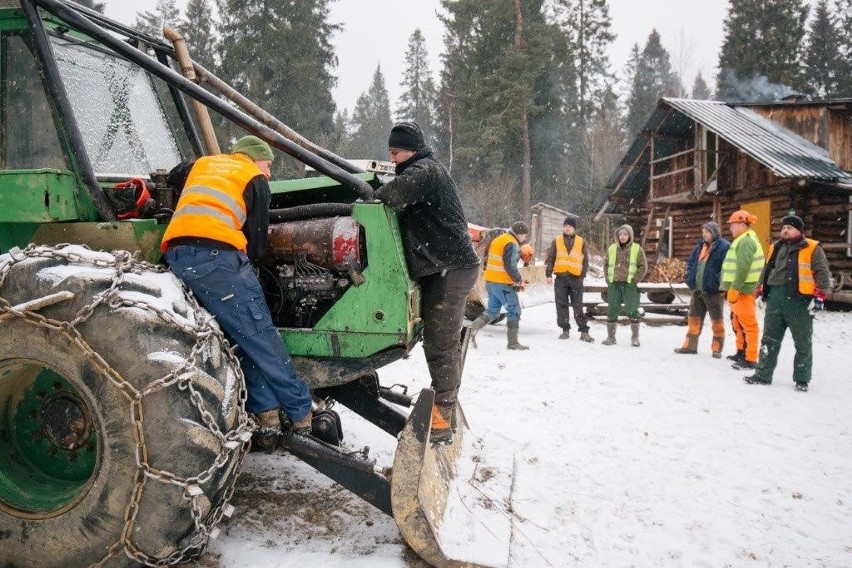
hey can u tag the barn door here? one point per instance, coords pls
(763, 227)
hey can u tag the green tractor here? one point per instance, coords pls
(122, 417)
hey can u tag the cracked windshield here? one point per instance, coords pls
(120, 117)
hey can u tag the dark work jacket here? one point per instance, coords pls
(713, 268)
(257, 197)
(782, 268)
(431, 215)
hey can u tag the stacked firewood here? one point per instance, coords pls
(670, 270)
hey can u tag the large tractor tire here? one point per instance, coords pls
(122, 413)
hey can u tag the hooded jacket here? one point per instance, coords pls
(711, 281)
(622, 259)
(431, 216)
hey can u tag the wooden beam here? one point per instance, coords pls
(682, 197)
(671, 156)
(671, 173)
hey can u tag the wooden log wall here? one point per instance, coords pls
(824, 210)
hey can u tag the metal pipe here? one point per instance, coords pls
(185, 62)
(183, 110)
(250, 124)
(66, 113)
(269, 120)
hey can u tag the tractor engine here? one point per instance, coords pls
(308, 265)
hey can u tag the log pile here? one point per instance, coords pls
(671, 270)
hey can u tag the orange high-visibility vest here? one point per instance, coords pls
(805, 273)
(495, 271)
(211, 204)
(571, 263)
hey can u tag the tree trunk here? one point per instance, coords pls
(526, 190)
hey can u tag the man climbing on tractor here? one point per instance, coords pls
(213, 242)
(440, 259)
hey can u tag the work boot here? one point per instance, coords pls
(754, 380)
(634, 330)
(512, 335)
(566, 333)
(477, 324)
(442, 431)
(802, 387)
(738, 356)
(718, 327)
(690, 346)
(610, 333)
(584, 336)
(268, 434)
(303, 426)
(744, 365)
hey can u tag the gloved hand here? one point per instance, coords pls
(733, 296)
(518, 287)
(758, 296)
(818, 302)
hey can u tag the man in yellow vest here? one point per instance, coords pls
(216, 235)
(624, 267)
(792, 285)
(503, 281)
(740, 272)
(568, 261)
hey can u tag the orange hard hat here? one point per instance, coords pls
(527, 253)
(742, 216)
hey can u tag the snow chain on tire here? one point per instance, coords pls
(206, 493)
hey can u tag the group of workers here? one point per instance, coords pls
(790, 280)
(219, 229)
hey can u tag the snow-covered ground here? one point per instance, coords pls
(622, 456)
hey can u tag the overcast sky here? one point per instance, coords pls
(376, 32)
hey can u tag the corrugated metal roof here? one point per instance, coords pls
(780, 150)
(785, 153)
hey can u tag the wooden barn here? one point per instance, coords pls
(697, 161)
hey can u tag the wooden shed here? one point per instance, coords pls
(697, 161)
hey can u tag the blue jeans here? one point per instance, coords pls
(499, 296)
(224, 282)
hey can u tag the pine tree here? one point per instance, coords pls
(197, 27)
(497, 75)
(700, 89)
(843, 15)
(417, 101)
(653, 78)
(822, 59)
(165, 13)
(762, 51)
(371, 121)
(587, 87)
(279, 54)
(96, 6)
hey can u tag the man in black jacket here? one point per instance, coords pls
(440, 259)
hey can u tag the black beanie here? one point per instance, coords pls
(794, 221)
(406, 136)
(520, 228)
(570, 220)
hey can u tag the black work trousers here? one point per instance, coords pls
(568, 291)
(442, 300)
